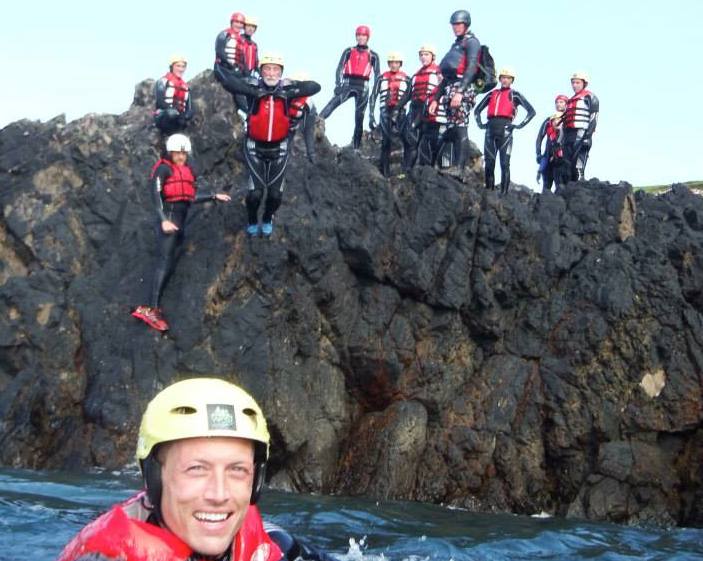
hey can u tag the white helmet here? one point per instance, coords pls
(580, 75)
(178, 143)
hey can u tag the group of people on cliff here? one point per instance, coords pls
(428, 112)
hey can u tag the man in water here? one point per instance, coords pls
(202, 449)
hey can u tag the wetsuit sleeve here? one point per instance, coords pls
(339, 76)
(157, 180)
(519, 100)
(292, 548)
(372, 98)
(301, 88)
(472, 49)
(242, 86)
(480, 107)
(188, 114)
(540, 136)
(594, 108)
(220, 42)
(406, 95)
(376, 66)
(160, 94)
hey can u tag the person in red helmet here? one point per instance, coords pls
(266, 148)
(420, 130)
(459, 68)
(174, 188)
(173, 102)
(551, 162)
(230, 49)
(580, 121)
(352, 80)
(502, 105)
(390, 88)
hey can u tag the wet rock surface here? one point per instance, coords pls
(414, 338)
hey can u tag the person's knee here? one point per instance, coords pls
(254, 196)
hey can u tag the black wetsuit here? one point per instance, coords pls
(304, 121)
(554, 170)
(267, 160)
(391, 87)
(459, 68)
(230, 64)
(580, 120)
(174, 107)
(351, 85)
(176, 212)
(499, 131)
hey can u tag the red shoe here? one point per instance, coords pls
(152, 317)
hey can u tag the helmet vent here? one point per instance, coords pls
(185, 410)
(250, 413)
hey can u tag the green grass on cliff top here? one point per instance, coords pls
(693, 185)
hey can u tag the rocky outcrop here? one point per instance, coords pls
(412, 338)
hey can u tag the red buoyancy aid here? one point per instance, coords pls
(359, 64)
(553, 135)
(578, 113)
(234, 48)
(180, 185)
(393, 86)
(176, 92)
(118, 535)
(296, 107)
(250, 54)
(425, 81)
(501, 104)
(271, 122)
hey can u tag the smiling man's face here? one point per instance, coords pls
(207, 484)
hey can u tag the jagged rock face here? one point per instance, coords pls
(416, 338)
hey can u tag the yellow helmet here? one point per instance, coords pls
(394, 56)
(200, 407)
(177, 58)
(427, 48)
(580, 75)
(271, 58)
(507, 71)
(251, 20)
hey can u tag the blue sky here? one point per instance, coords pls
(643, 57)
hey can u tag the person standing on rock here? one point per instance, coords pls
(173, 103)
(389, 88)
(173, 184)
(251, 49)
(502, 105)
(459, 68)
(229, 56)
(352, 80)
(266, 148)
(421, 130)
(551, 161)
(202, 450)
(580, 121)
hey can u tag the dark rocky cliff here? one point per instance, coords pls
(415, 339)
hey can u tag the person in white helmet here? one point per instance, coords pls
(174, 107)
(580, 120)
(502, 105)
(202, 450)
(266, 147)
(174, 188)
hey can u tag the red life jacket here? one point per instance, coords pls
(501, 104)
(180, 185)
(176, 93)
(578, 112)
(425, 82)
(123, 533)
(234, 48)
(271, 122)
(296, 107)
(393, 86)
(251, 57)
(359, 64)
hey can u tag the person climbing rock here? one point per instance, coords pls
(173, 103)
(420, 131)
(173, 184)
(266, 147)
(303, 115)
(580, 121)
(230, 63)
(352, 80)
(389, 88)
(202, 451)
(553, 169)
(502, 104)
(459, 68)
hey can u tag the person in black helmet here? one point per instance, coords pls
(459, 69)
(352, 80)
(502, 104)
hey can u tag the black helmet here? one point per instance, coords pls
(461, 16)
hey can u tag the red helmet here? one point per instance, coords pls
(238, 17)
(561, 97)
(363, 30)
